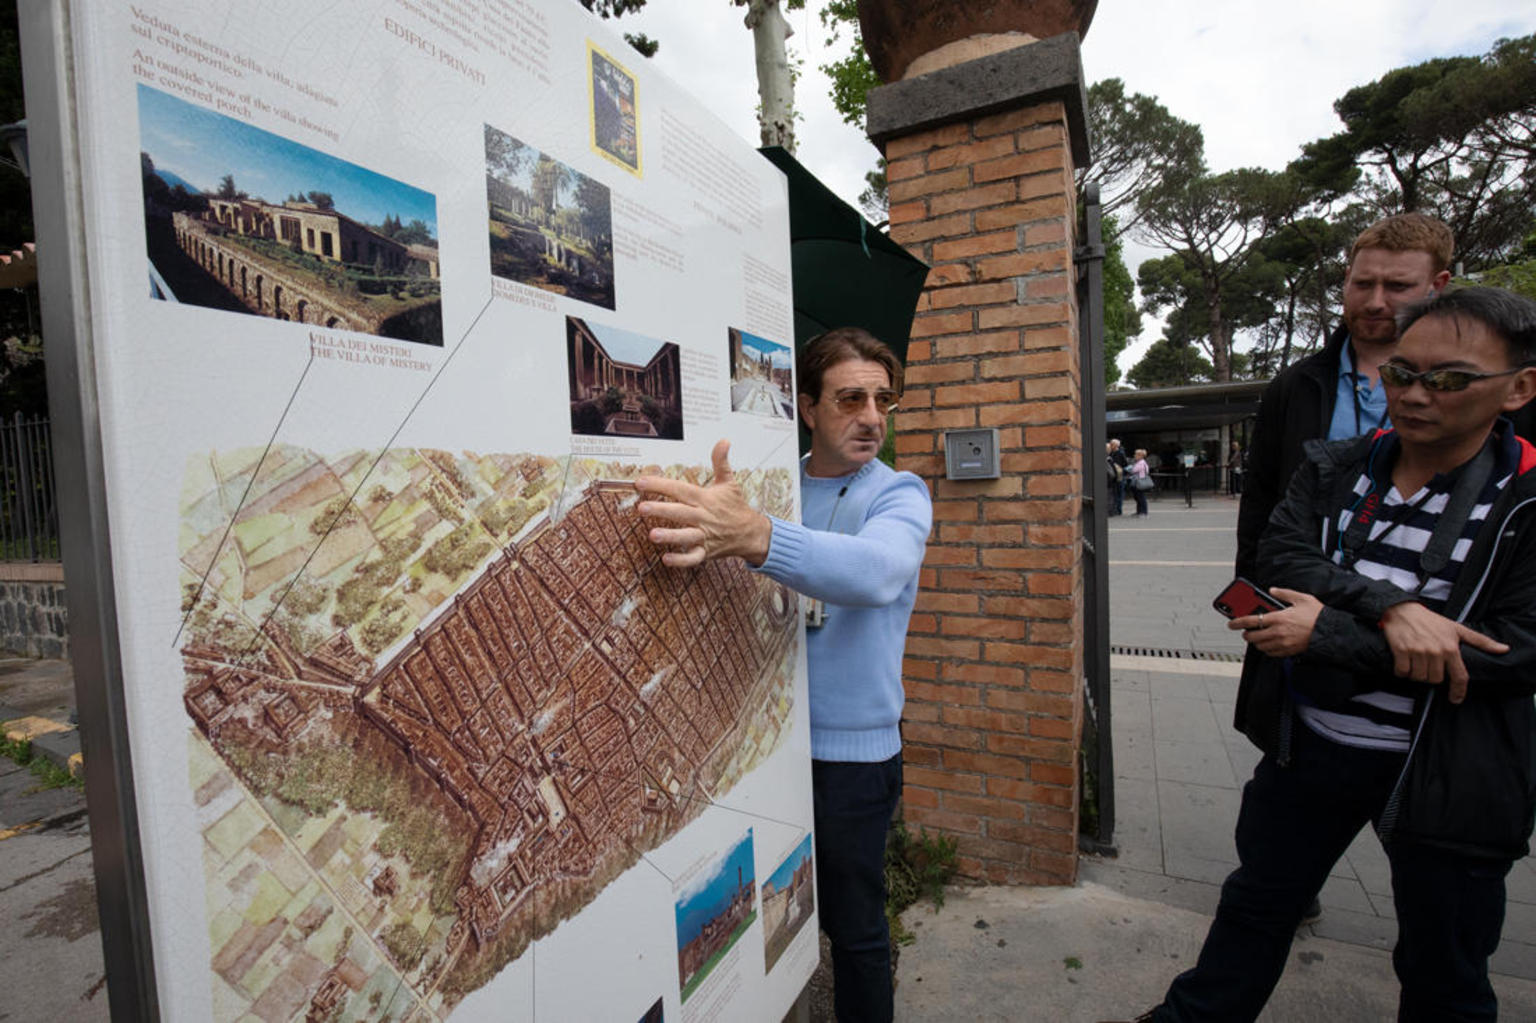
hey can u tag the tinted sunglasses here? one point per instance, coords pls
(1394, 375)
(853, 401)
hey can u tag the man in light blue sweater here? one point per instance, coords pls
(856, 552)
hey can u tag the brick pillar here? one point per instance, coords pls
(981, 158)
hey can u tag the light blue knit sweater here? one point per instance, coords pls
(860, 550)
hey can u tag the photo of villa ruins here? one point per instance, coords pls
(302, 260)
(618, 398)
(551, 226)
(569, 706)
(762, 376)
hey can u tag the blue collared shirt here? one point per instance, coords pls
(1359, 407)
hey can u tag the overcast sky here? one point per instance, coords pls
(1259, 77)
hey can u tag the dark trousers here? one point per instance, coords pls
(1295, 822)
(1117, 496)
(853, 807)
(1141, 499)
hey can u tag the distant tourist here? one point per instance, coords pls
(1140, 481)
(857, 554)
(1395, 689)
(1117, 486)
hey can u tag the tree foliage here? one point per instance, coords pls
(1137, 145)
(1453, 137)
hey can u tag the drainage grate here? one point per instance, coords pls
(1186, 655)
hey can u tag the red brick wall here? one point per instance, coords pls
(994, 664)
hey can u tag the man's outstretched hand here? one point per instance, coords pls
(1426, 647)
(704, 523)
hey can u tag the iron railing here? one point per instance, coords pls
(29, 516)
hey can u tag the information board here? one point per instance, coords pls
(391, 302)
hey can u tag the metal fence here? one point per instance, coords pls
(29, 517)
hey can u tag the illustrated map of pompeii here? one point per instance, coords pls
(434, 694)
(516, 705)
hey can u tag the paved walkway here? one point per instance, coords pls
(1107, 948)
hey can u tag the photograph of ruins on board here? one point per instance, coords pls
(789, 899)
(551, 226)
(623, 384)
(240, 219)
(762, 376)
(713, 912)
(615, 128)
(431, 724)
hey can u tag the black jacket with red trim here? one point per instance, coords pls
(1470, 778)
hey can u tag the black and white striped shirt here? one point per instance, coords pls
(1400, 533)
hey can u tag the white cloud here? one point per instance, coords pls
(1259, 77)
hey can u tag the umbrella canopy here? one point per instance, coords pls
(846, 272)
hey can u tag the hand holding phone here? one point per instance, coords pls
(1242, 598)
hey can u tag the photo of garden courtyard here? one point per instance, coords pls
(348, 250)
(551, 226)
(622, 383)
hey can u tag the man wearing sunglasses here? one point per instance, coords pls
(857, 552)
(1396, 688)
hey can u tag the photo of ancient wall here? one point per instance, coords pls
(551, 226)
(239, 219)
(762, 376)
(615, 126)
(438, 701)
(789, 901)
(623, 384)
(713, 912)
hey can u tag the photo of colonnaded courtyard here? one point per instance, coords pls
(762, 376)
(240, 219)
(480, 701)
(622, 383)
(551, 225)
(789, 900)
(713, 912)
(615, 128)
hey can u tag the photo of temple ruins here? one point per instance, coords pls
(240, 219)
(551, 226)
(762, 376)
(430, 723)
(623, 384)
(789, 901)
(713, 912)
(615, 127)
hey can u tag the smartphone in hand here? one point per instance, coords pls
(1242, 598)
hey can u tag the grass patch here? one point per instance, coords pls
(916, 866)
(48, 774)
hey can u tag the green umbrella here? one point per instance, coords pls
(846, 272)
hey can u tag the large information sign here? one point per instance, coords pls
(391, 302)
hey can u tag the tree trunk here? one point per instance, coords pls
(775, 86)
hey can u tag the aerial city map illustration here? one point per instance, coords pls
(432, 722)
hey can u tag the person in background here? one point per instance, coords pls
(1117, 488)
(1235, 469)
(857, 551)
(1141, 481)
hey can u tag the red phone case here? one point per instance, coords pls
(1242, 598)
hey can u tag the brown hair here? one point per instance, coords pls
(1409, 232)
(839, 345)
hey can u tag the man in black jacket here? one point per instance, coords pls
(1334, 393)
(1397, 686)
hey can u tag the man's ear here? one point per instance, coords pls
(1438, 282)
(807, 416)
(1521, 390)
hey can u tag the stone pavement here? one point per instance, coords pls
(1108, 947)
(50, 952)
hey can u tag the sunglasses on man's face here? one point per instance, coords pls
(853, 400)
(1394, 375)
